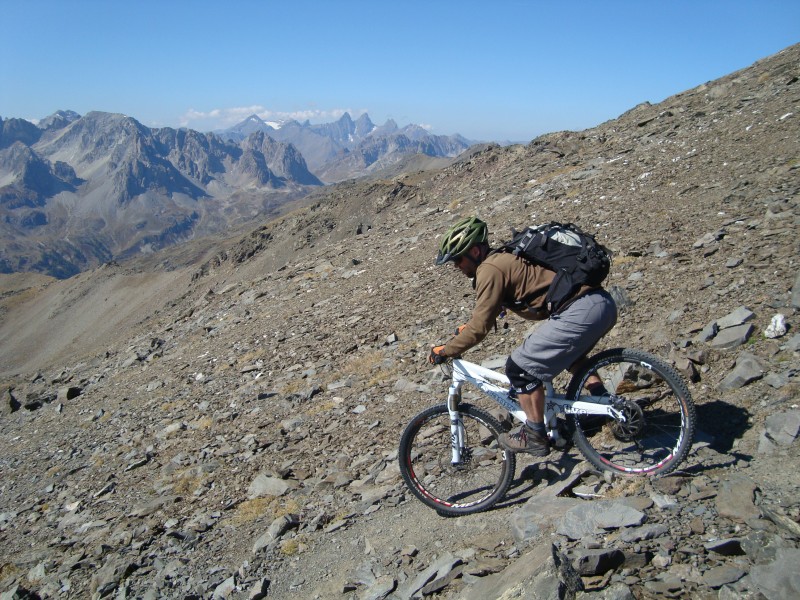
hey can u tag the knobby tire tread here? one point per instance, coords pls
(672, 378)
(408, 438)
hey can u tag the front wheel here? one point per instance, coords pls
(476, 482)
(658, 422)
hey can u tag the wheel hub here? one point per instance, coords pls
(633, 424)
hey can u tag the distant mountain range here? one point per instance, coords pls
(347, 149)
(77, 191)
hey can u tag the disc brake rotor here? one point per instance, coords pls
(634, 421)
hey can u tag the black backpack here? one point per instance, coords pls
(575, 256)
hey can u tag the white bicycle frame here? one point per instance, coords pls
(555, 404)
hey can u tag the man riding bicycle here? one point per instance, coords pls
(501, 281)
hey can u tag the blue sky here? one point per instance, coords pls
(493, 70)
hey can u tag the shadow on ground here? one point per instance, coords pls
(556, 468)
(723, 423)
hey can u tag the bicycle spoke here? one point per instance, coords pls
(476, 482)
(658, 411)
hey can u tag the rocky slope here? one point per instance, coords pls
(229, 429)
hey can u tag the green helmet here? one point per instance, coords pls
(461, 237)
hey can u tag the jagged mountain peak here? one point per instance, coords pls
(345, 119)
(364, 125)
(18, 130)
(328, 147)
(59, 119)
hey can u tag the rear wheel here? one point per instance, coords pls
(480, 479)
(659, 414)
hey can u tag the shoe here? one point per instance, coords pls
(525, 440)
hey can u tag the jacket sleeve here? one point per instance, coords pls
(489, 294)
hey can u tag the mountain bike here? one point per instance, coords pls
(451, 460)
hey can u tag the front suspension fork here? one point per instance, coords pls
(456, 424)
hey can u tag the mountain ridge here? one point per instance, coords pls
(91, 188)
(328, 146)
(113, 188)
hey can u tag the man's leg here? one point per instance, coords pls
(532, 436)
(558, 344)
(533, 405)
(594, 385)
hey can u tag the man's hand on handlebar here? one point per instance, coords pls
(437, 357)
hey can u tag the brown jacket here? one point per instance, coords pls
(501, 280)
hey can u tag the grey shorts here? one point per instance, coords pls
(567, 337)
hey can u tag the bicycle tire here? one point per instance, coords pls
(474, 485)
(660, 410)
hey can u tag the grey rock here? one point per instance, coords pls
(666, 584)
(266, 485)
(380, 588)
(441, 581)
(259, 589)
(596, 562)
(565, 482)
(783, 522)
(404, 385)
(776, 380)
(716, 577)
(709, 238)
(225, 589)
(736, 498)
(733, 262)
(748, 368)
(109, 576)
(342, 383)
(664, 502)
(707, 333)
(9, 402)
(734, 592)
(68, 393)
(732, 337)
(152, 507)
(541, 574)
(783, 428)
(18, 592)
(495, 362)
(597, 517)
(738, 317)
(438, 569)
(779, 579)
(726, 547)
(538, 515)
(671, 484)
(762, 547)
(645, 532)
(277, 528)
